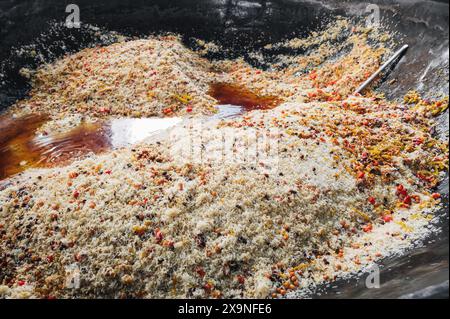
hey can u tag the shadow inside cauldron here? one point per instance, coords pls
(243, 26)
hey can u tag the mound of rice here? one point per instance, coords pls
(259, 206)
(142, 78)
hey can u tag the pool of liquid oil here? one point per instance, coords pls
(232, 94)
(21, 148)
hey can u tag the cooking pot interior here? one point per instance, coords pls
(242, 27)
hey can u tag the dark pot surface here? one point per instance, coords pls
(244, 25)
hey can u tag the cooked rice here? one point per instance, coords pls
(147, 223)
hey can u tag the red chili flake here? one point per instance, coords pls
(73, 175)
(200, 271)
(436, 196)
(208, 287)
(407, 200)
(368, 228)
(108, 172)
(76, 194)
(402, 192)
(168, 111)
(158, 235)
(168, 243)
(388, 218)
(21, 283)
(361, 175)
(241, 279)
(372, 200)
(189, 109)
(50, 258)
(418, 141)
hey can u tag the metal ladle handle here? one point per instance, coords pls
(381, 69)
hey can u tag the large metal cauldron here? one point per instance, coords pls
(243, 25)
